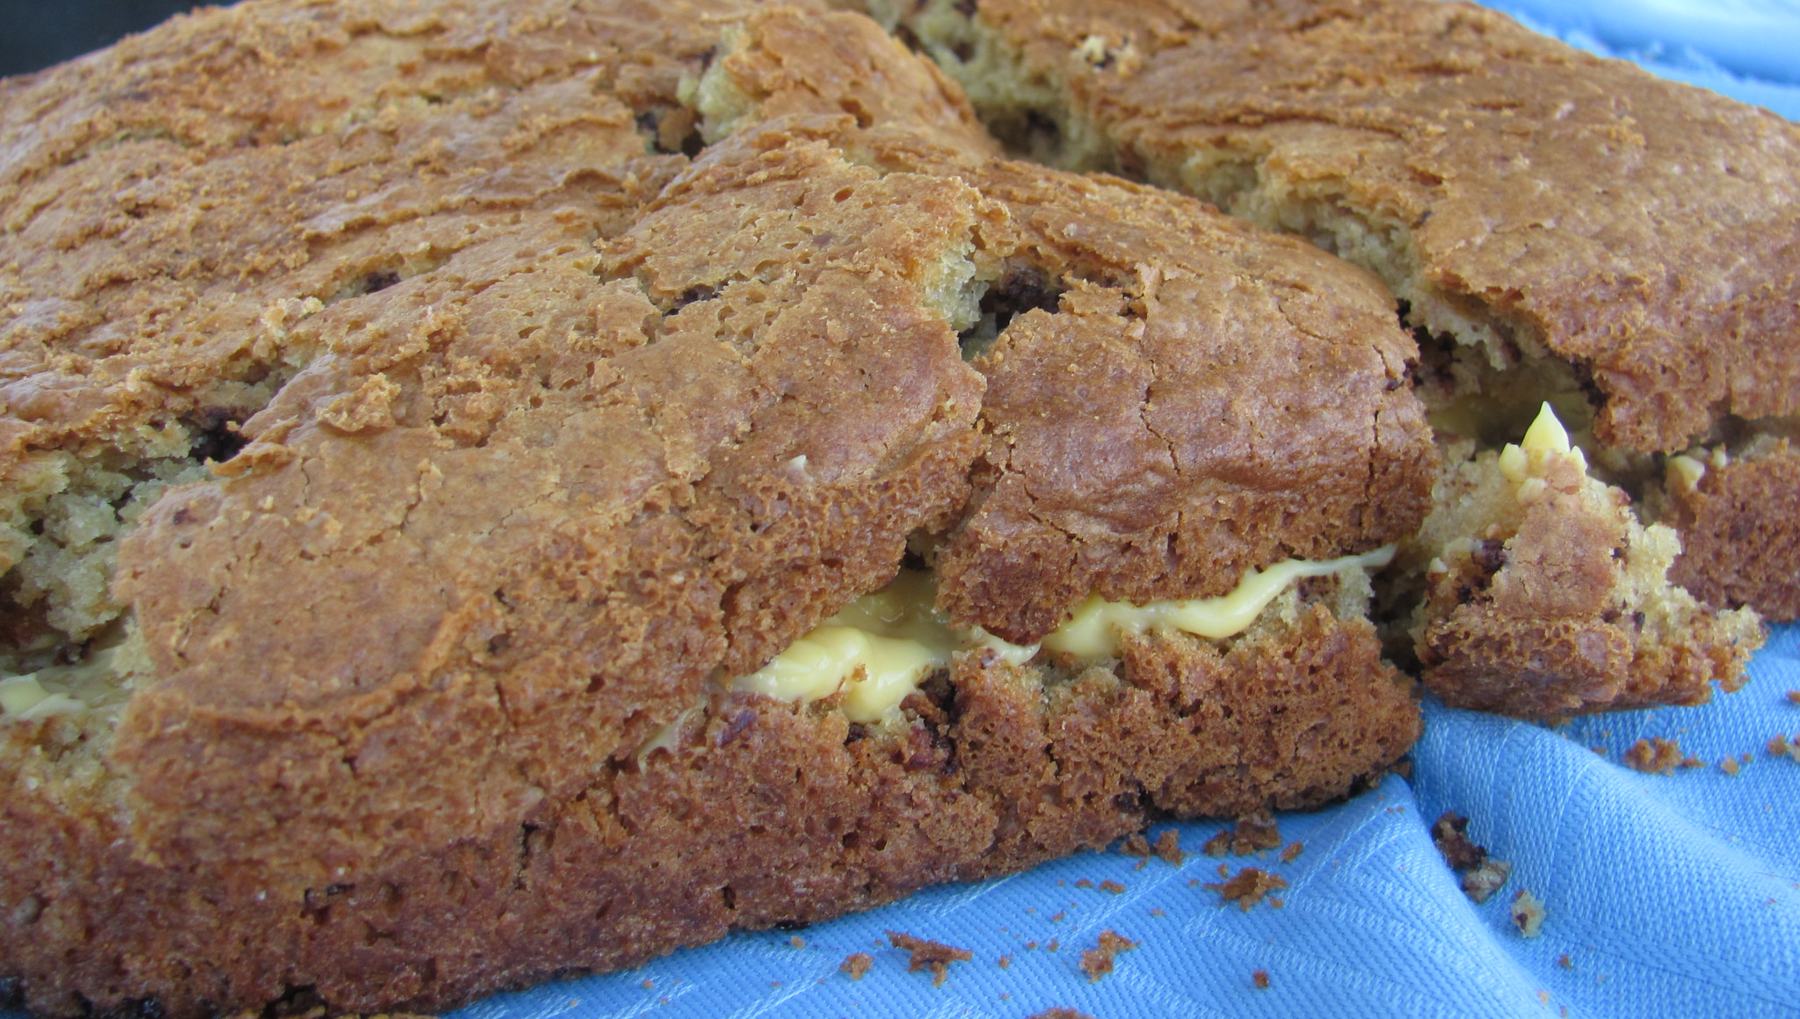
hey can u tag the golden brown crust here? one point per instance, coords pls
(653, 494)
(1176, 398)
(1107, 470)
(1642, 229)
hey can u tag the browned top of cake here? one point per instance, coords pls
(548, 427)
(1644, 231)
(1178, 398)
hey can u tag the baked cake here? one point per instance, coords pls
(490, 491)
(1555, 226)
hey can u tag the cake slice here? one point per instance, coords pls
(1555, 226)
(502, 490)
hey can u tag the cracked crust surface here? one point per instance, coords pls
(1185, 399)
(511, 430)
(1538, 184)
(1567, 227)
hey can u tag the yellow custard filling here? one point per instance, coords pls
(883, 645)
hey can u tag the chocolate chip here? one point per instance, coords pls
(1489, 555)
(379, 280)
(697, 292)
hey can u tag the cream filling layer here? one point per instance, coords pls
(1095, 630)
(98, 682)
(882, 646)
(878, 649)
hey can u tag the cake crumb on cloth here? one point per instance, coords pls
(1248, 887)
(1527, 913)
(1655, 755)
(1481, 875)
(1097, 962)
(925, 954)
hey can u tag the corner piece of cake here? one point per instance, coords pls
(1553, 225)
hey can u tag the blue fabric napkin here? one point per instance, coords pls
(1664, 895)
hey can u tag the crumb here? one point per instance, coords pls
(1168, 847)
(1053, 945)
(1292, 852)
(1793, 696)
(1224, 870)
(1654, 756)
(1136, 845)
(929, 955)
(1057, 917)
(1691, 761)
(1004, 962)
(1746, 757)
(1781, 745)
(1543, 997)
(1248, 887)
(647, 984)
(1277, 902)
(796, 942)
(1599, 751)
(1248, 835)
(1193, 882)
(1084, 883)
(1565, 962)
(854, 966)
(1481, 875)
(1097, 962)
(1031, 946)
(1729, 765)
(1111, 887)
(1481, 882)
(1260, 978)
(1060, 1013)
(1527, 913)
(1450, 834)
(1158, 911)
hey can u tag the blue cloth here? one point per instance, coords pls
(1673, 895)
